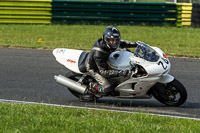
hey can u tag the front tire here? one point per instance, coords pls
(170, 94)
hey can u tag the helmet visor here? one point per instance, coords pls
(113, 41)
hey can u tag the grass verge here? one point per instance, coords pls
(40, 118)
(172, 40)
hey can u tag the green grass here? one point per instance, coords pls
(39, 118)
(172, 40)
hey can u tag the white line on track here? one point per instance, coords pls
(76, 107)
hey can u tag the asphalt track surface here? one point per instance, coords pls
(28, 75)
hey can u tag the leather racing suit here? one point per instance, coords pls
(96, 63)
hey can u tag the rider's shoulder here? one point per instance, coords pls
(100, 44)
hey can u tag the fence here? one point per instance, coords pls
(184, 11)
(25, 11)
(196, 15)
(90, 12)
(84, 12)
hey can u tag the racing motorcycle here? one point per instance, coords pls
(150, 77)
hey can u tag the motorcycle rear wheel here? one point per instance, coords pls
(173, 93)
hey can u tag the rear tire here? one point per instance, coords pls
(170, 94)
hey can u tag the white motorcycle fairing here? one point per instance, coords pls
(156, 67)
(70, 58)
(166, 79)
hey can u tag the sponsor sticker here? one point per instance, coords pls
(71, 61)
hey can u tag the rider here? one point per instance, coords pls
(96, 60)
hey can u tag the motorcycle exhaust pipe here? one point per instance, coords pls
(71, 84)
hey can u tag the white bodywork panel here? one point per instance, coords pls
(140, 88)
(166, 79)
(157, 71)
(68, 57)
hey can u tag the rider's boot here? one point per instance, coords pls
(99, 90)
(92, 91)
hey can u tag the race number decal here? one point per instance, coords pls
(164, 67)
(165, 60)
(162, 64)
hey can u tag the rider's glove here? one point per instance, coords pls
(131, 43)
(127, 44)
(124, 73)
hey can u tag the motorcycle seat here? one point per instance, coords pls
(81, 62)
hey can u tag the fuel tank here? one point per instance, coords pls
(119, 60)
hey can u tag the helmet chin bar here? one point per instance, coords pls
(110, 46)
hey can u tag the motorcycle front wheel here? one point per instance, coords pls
(170, 94)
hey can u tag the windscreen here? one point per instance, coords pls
(145, 52)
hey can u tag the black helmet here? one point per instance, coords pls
(111, 37)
